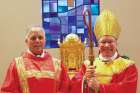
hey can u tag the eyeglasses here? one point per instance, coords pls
(107, 41)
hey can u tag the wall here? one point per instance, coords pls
(17, 15)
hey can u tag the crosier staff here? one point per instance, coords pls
(88, 23)
(91, 57)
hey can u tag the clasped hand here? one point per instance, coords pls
(91, 78)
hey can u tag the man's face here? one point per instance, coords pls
(107, 46)
(36, 41)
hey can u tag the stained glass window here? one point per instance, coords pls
(61, 17)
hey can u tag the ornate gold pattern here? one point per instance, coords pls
(107, 24)
(72, 54)
(22, 74)
(104, 71)
(40, 74)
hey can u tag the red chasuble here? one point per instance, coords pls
(31, 74)
(118, 76)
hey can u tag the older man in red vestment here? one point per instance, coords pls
(35, 71)
(111, 72)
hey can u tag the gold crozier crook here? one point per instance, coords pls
(91, 57)
(88, 23)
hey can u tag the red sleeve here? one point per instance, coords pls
(76, 81)
(64, 81)
(11, 83)
(125, 82)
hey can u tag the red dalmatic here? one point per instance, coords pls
(118, 76)
(31, 74)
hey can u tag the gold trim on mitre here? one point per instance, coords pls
(107, 24)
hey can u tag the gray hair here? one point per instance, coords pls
(34, 29)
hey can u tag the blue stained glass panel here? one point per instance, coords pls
(73, 29)
(54, 43)
(62, 9)
(72, 20)
(80, 24)
(55, 37)
(52, 14)
(53, 7)
(80, 30)
(46, 7)
(64, 29)
(93, 20)
(72, 12)
(87, 2)
(55, 28)
(48, 37)
(80, 10)
(64, 20)
(62, 14)
(46, 25)
(94, 9)
(48, 45)
(62, 2)
(96, 1)
(79, 3)
(61, 17)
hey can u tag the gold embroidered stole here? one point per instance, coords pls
(24, 74)
(105, 71)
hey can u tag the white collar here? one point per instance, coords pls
(41, 56)
(108, 59)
